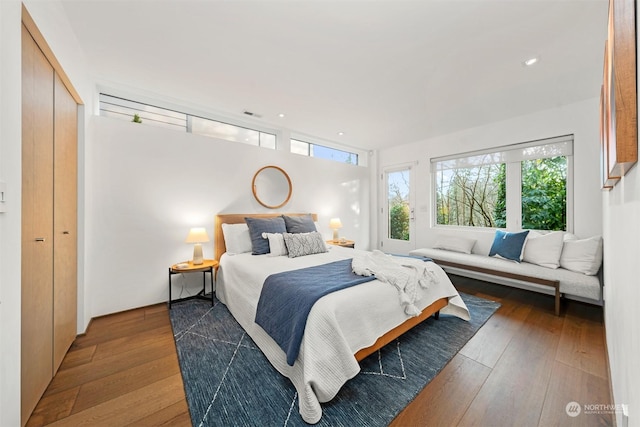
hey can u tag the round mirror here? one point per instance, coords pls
(271, 187)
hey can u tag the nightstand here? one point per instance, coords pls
(344, 243)
(208, 266)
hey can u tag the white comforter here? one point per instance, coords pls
(338, 325)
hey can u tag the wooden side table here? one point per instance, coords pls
(208, 266)
(344, 243)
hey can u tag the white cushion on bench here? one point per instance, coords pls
(571, 283)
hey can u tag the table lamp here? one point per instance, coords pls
(197, 236)
(335, 224)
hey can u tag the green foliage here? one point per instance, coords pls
(398, 202)
(136, 118)
(477, 196)
(500, 209)
(544, 194)
(399, 221)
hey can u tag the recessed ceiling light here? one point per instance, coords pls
(529, 62)
(340, 133)
(281, 115)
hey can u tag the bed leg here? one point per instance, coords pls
(436, 315)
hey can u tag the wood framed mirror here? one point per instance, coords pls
(271, 187)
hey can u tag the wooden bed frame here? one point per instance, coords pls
(220, 248)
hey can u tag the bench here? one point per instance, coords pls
(557, 282)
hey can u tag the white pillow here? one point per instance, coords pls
(276, 244)
(544, 249)
(455, 244)
(583, 256)
(236, 238)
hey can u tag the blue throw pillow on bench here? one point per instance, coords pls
(508, 245)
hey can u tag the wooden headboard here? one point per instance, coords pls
(218, 237)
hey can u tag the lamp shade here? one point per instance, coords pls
(197, 235)
(335, 224)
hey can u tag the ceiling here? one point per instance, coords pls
(383, 72)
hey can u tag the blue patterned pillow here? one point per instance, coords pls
(508, 245)
(299, 224)
(300, 244)
(257, 226)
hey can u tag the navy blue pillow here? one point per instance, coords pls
(508, 245)
(299, 224)
(257, 226)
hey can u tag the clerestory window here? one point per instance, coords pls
(320, 151)
(139, 112)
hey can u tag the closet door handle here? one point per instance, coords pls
(39, 239)
(65, 232)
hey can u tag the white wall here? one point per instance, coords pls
(10, 236)
(621, 207)
(622, 293)
(580, 119)
(147, 186)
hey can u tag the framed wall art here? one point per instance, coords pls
(618, 97)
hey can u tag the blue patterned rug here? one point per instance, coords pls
(229, 382)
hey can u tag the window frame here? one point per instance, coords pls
(275, 138)
(513, 182)
(172, 112)
(311, 142)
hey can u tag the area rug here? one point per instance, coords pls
(229, 382)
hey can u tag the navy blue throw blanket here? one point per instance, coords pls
(287, 298)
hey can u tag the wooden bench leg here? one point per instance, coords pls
(557, 299)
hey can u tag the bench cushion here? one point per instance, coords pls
(571, 283)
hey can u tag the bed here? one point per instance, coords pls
(342, 328)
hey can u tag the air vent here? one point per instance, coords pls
(249, 113)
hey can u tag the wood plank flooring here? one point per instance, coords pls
(123, 371)
(522, 368)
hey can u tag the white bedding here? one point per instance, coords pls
(338, 325)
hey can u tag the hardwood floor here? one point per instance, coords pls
(123, 371)
(522, 368)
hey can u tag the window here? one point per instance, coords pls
(398, 203)
(220, 130)
(112, 106)
(320, 151)
(469, 196)
(524, 186)
(544, 193)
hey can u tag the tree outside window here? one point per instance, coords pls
(398, 204)
(469, 196)
(544, 194)
(477, 196)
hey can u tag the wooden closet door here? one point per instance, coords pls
(64, 222)
(37, 224)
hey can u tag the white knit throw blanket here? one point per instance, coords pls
(407, 275)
